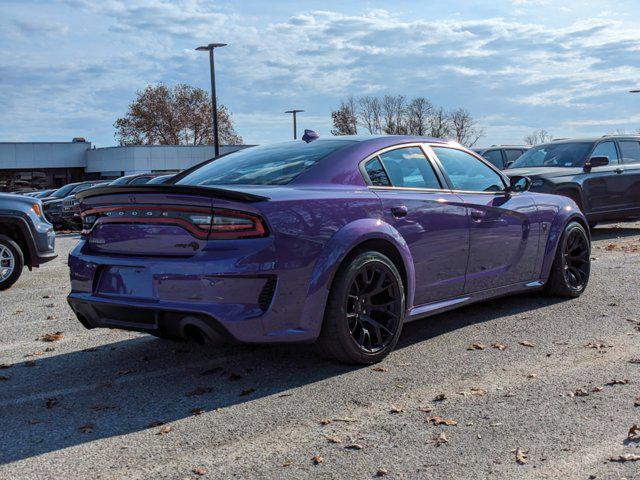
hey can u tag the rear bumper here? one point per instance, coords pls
(228, 292)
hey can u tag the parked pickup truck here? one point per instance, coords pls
(26, 237)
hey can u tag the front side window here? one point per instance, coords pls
(468, 173)
(408, 167)
(606, 149)
(275, 164)
(494, 157)
(630, 151)
(554, 155)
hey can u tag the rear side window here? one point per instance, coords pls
(606, 149)
(468, 173)
(408, 167)
(494, 157)
(630, 151)
(513, 155)
(376, 173)
(275, 164)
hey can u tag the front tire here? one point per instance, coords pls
(11, 262)
(365, 310)
(572, 264)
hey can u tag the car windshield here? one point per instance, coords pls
(554, 155)
(276, 164)
(122, 181)
(64, 191)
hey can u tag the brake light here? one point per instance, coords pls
(202, 223)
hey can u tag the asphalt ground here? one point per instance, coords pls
(550, 390)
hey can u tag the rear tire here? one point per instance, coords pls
(11, 262)
(572, 263)
(365, 310)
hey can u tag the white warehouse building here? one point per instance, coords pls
(52, 164)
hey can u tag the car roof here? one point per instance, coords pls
(594, 139)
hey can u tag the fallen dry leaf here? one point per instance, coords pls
(627, 457)
(199, 470)
(395, 409)
(440, 397)
(617, 382)
(197, 411)
(354, 446)
(199, 391)
(51, 402)
(532, 375)
(636, 403)
(122, 373)
(333, 439)
(425, 409)
(476, 346)
(51, 337)
(441, 439)
(580, 392)
(597, 345)
(380, 368)
(499, 346)
(325, 421)
(634, 433)
(478, 391)
(437, 420)
(287, 463)
(521, 456)
(164, 430)
(381, 472)
(317, 460)
(88, 428)
(596, 389)
(526, 343)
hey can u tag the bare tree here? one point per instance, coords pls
(345, 119)
(370, 113)
(538, 136)
(465, 129)
(439, 125)
(181, 115)
(418, 112)
(393, 114)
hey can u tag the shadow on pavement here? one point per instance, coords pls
(611, 233)
(128, 386)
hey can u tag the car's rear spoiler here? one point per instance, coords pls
(172, 189)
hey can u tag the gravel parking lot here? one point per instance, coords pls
(521, 387)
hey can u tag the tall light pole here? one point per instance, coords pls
(295, 124)
(214, 100)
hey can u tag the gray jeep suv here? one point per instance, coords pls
(26, 237)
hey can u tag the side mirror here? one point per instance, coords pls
(519, 184)
(595, 162)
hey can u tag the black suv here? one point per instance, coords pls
(26, 237)
(501, 156)
(602, 175)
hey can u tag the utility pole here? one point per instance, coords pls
(295, 124)
(214, 100)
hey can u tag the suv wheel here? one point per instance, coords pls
(365, 310)
(11, 262)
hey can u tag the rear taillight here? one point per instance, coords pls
(202, 223)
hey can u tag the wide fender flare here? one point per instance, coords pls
(567, 213)
(336, 250)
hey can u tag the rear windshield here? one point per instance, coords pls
(554, 155)
(275, 164)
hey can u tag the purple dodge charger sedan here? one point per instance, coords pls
(338, 241)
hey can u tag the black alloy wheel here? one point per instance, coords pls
(576, 259)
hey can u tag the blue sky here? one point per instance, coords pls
(70, 67)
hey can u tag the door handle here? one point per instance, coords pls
(477, 215)
(619, 170)
(399, 211)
